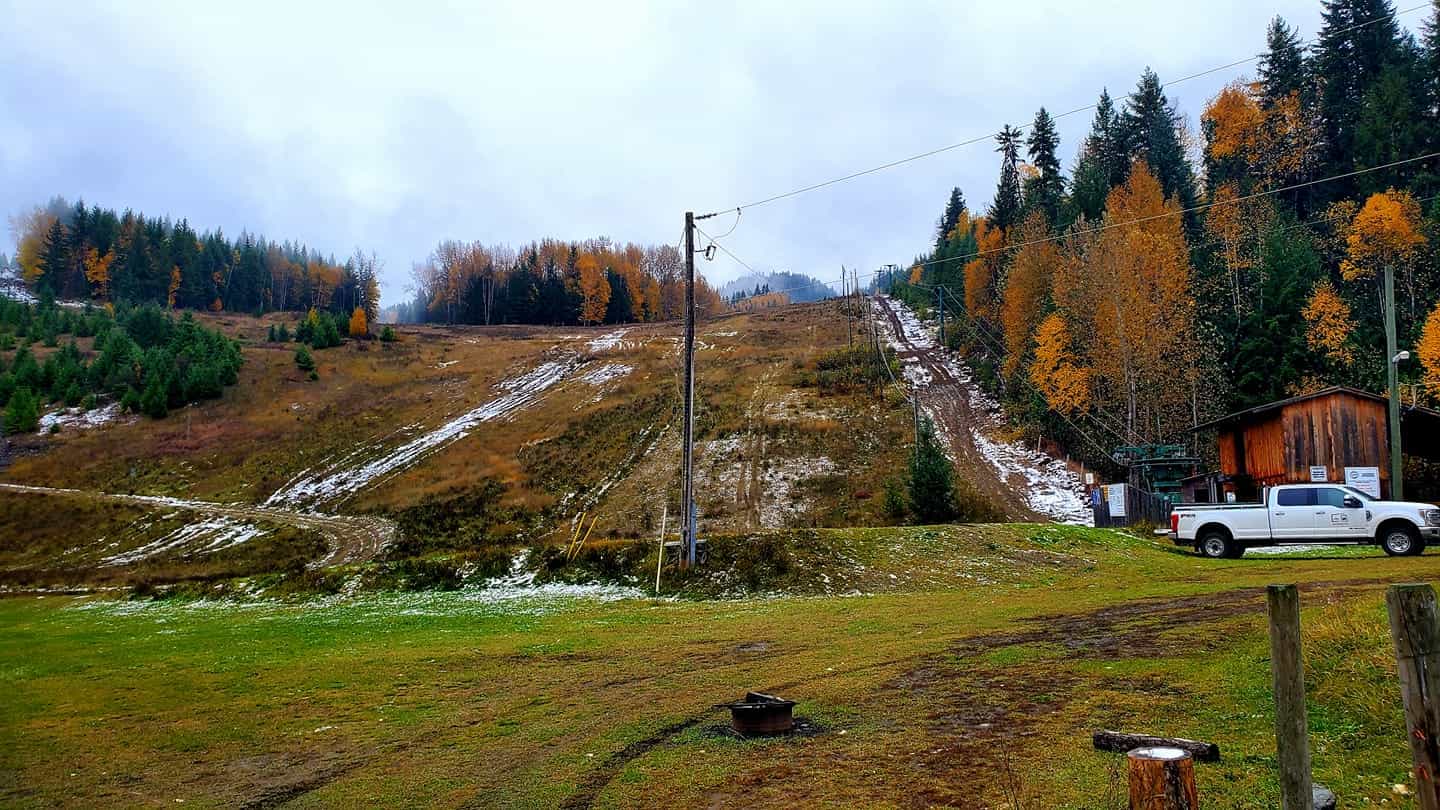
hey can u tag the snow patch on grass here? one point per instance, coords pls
(203, 537)
(80, 418)
(603, 374)
(362, 467)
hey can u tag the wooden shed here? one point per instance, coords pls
(1334, 428)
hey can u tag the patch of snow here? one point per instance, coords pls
(202, 537)
(79, 417)
(603, 374)
(446, 363)
(609, 341)
(353, 472)
(1296, 549)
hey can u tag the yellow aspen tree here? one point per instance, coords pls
(358, 325)
(1064, 384)
(1233, 120)
(1429, 355)
(30, 229)
(1385, 232)
(174, 286)
(1022, 302)
(1329, 323)
(97, 271)
(594, 288)
(982, 272)
(1238, 227)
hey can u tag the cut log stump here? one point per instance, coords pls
(1162, 778)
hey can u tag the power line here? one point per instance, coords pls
(1105, 226)
(971, 141)
(1179, 212)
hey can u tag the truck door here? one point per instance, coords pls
(1293, 515)
(1332, 520)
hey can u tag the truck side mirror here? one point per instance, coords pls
(1352, 502)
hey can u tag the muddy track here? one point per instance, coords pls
(946, 400)
(350, 538)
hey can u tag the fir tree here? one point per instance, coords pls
(932, 497)
(954, 207)
(1005, 209)
(1271, 355)
(1358, 39)
(1148, 127)
(1282, 66)
(1049, 186)
(22, 415)
(54, 260)
(1098, 163)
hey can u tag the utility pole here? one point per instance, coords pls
(1392, 371)
(845, 302)
(687, 480)
(940, 293)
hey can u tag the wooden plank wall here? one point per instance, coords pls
(1338, 431)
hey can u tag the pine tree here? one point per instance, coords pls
(932, 497)
(1005, 208)
(1098, 163)
(1282, 66)
(954, 207)
(22, 415)
(1149, 132)
(54, 260)
(1358, 40)
(1271, 357)
(1043, 144)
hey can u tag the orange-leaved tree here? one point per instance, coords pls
(1429, 351)
(1063, 382)
(1027, 286)
(1329, 325)
(594, 288)
(359, 327)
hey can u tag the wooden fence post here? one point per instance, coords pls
(1287, 665)
(1417, 653)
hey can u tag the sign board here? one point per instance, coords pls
(1115, 495)
(1319, 475)
(1089, 479)
(1230, 497)
(1365, 479)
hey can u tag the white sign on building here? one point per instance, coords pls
(1319, 474)
(1115, 495)
(1365, 479)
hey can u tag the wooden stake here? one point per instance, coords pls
(1417, 653)
(1292, 740)
(664, 514)
(1162, 779)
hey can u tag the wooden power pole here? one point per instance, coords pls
(1392, 378)
(687, 479)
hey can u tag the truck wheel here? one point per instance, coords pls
(1217, 546)
(1401, 541)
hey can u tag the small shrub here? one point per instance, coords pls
(387, 335)
(304, 360)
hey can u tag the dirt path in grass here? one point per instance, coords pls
(351, 538)
(1025, 482)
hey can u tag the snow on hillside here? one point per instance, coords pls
(1052, 488)
(202, 537)
(369, 464)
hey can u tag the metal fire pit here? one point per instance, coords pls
(760, 715)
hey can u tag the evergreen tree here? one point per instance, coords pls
(1098, 163)
(1358, 39)
(932, 498)
(54, 260)
(1044, 143)
(22, 415)
(1005, 208)
(1271, 355)
(1149, 131)
(1282, 66)
(954, 207)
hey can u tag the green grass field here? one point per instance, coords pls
(944, 686)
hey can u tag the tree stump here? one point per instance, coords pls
(1162, 779)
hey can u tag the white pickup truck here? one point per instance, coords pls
(1305, 513)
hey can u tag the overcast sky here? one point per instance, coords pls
(393, 126)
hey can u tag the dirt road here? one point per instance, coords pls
(1026, 484)
(351, 538)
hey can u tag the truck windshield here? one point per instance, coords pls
(1363, 496)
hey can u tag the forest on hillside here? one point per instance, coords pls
(1172, 276)
(552, 282)
(87, 253)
